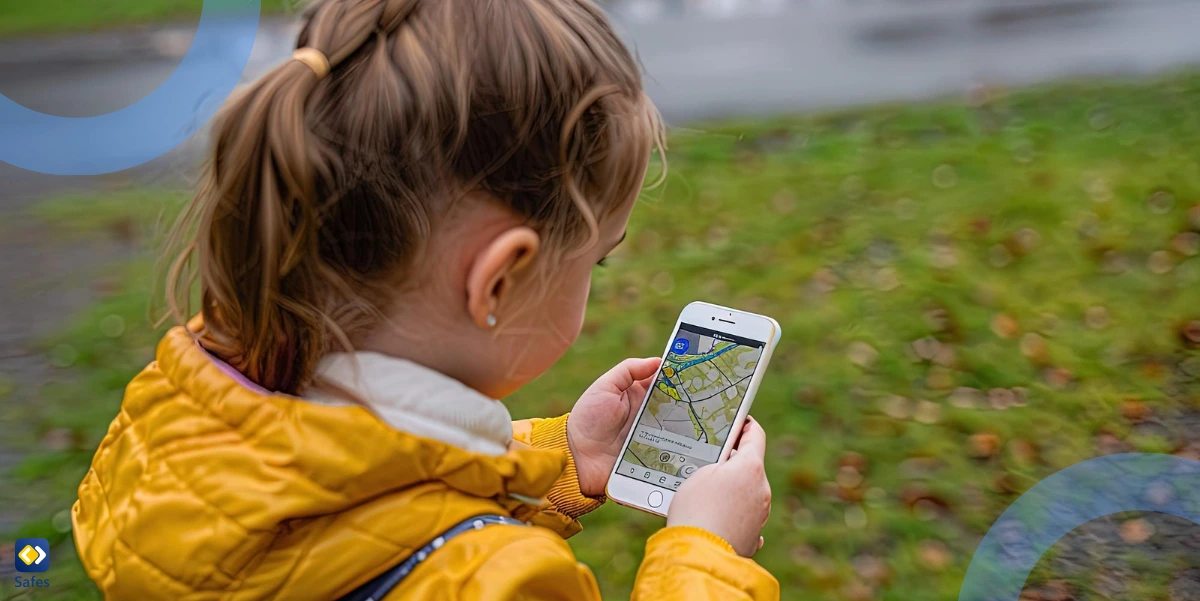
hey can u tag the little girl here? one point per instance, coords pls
(396, 228)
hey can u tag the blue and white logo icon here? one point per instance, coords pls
(32, 555)
(680, 346)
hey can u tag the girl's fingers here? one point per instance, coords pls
(630, 371)
(643, 369)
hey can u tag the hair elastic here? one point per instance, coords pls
(315, 59)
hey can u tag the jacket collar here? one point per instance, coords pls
(415, 399)
(348, 448)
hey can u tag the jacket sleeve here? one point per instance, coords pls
(683, 563)
(565, 495)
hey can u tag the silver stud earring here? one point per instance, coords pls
(491, 321)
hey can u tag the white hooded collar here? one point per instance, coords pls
(417, 400)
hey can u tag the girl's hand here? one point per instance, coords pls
(731, 499)
(602, 417)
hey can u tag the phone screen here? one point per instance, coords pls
(692, 406)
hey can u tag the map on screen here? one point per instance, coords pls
(692, 406)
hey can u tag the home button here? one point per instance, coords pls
(655, 499)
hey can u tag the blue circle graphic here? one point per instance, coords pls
(681, 346)
(1068, 499)
(150, 127)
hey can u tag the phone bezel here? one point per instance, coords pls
(628, 491)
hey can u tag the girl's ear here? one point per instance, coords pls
(490, 274)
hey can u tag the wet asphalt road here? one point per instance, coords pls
(703, 58)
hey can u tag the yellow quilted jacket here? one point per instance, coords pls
(205, 489)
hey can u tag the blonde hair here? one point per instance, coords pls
(321, 192)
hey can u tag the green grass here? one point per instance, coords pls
(22, 17)
(1013, 238)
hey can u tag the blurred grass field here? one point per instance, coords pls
(974, 294)
(22, 17)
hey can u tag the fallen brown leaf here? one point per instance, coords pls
(1005, 326)
(1001, 398)
(802, 555)
(984, 445)
(1024, 241)
(849, 494)
(1190, 451)
(966, 398)
(803, 479)
(1057, 377)
(1134, 411)
(1023, 451)
(927, 412)
(824, 573)
(1096, 317)
(1160, 262)
(809, 396)
(1108, 443)
(872, 569)
(855, 517)
(927, 510)
(1190, 333)
(788, 446)
(862, 354)
(1186, 244)
(926, 348)
(920, 467)
(946, 357)
(933, 555)
(848, 477)
(58, 439)
(1034, 347)
(1053, 590)
(887, 279)
(858, 461)
(1020, 396)
(999, 256)
(858, 591)
(1160, 202)
(1153, 369)
(824, 281)
(937, 318)
(1005, 484)
(896, 407)
(1136, 531)
(1115, 262)
(940, 378)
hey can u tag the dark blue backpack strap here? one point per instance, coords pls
(383, 584)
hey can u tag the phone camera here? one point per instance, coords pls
(714, 318)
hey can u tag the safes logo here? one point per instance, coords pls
(32, 555)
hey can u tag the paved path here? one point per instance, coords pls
(704, 58)
(786, 57)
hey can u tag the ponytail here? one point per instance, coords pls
(266, 292)
(327, 174)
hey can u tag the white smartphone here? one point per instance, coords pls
(693, 412)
